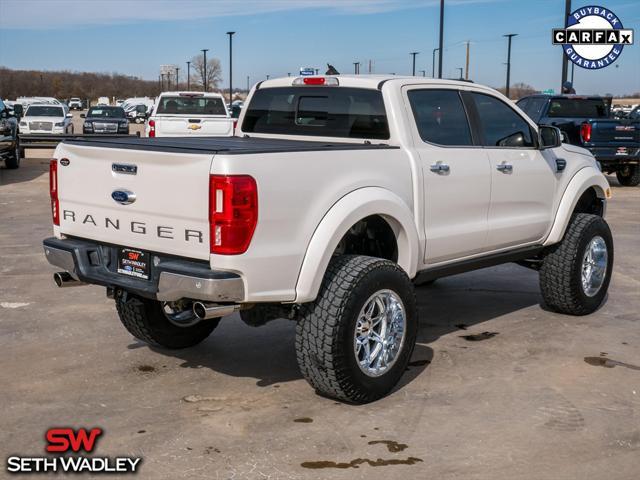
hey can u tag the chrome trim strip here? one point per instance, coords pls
(174, 286)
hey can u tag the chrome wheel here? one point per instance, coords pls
(594, 266)
(180, 314)
(379, 333)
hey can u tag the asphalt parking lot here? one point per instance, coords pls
(498, 388)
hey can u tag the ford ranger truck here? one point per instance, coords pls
(336, 197)
(189, 114)
(588, 122)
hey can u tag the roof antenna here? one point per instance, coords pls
(331, 70)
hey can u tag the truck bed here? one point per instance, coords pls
(226, 145)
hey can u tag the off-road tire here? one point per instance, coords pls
(13, 160)
(325, 331)
(560, 274)
(629, 176)
(145, 320)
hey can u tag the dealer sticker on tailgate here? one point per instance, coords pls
(134, 263)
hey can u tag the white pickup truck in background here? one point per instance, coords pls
(336, 194)
(185, 114)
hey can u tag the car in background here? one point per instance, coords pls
(119, 102)
(55, 119)
(138, 113)
(75, 103)
(9, 146)
(103, 101)
(105, 120)
(185, 114)
(586, 121)
(26, 101)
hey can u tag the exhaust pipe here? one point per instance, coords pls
(206, 311)
(64, 279)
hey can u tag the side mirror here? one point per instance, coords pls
(82, 115)
(18, 110)
(550, 137)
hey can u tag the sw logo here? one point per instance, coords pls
(67, 441)
(593, 37)
(134, 256)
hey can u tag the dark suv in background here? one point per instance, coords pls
(9, 146)
(587, 122)
(105, 120)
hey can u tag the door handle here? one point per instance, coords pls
(505, 168)
(439, 168)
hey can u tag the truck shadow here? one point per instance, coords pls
(454, 305)
(29, 170)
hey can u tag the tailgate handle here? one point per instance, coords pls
(194, 120)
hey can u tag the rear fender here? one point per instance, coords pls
(345, 213)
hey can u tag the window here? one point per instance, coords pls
(44, 111)
(440, 117)
(190, 105)
(535, 107)
(317, 111)
(500, 125)
(579, 108)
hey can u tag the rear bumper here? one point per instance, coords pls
(609, 155)
(171, 278)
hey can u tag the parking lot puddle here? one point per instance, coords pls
(355, 463)
(392, 446)
(479, 336)
(608, 363)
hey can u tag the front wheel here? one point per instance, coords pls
(629, 176)
(354, 341)
(169, 325)
(575, 273)
(13, 160)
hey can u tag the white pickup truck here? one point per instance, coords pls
(338, 194)
(187, 114)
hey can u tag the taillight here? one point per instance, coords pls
(585, 132)
(152, 128)
(233, 213)
(235, 124)
(53, 191)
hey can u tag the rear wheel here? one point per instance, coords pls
(13, 160)
(629, 175)
(170, 325)
(354, 341)
(575, 273)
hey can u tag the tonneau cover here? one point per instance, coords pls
(226, 145)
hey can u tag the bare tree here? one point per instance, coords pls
(214, 72)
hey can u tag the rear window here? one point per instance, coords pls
(106, 112)
(578, 108)
(191, 106)
(44, 111)
(318, 111)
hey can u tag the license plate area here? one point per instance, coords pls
(134, 263)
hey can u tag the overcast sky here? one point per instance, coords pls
(275, 37)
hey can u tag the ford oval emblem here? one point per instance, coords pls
(123, 197)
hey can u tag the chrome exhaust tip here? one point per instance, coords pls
(64, 279)
(206, 311)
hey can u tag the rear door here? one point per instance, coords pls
(165, 208)
(456, 175)
(523, 180)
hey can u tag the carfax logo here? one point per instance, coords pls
(593, 37)
(69, 443)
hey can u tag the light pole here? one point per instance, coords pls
(204, 70)
(230, 66)
(188, 76)
(413, 70)
(247, 83)
(565, 59)
(356, 68)
(424, 73)
(178, 78)
(441, 37)
(509, 36)
(433, 63)
(267, 77)
(461, 69)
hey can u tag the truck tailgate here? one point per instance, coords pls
(615, 133)
(179, 126)
(170, 210)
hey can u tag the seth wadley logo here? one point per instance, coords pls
(66, 442)
(593, 37)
